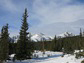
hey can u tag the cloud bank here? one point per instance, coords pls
(48, 16)
(50, 12)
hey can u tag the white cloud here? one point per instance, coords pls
(48, 12)
(8, 5)
(51, 12)
(57, 11)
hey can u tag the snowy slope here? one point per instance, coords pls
(35, 37)
(47, 54)
(39, 37)
(65, 34)
(66, 59)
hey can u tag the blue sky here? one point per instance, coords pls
(51, 17)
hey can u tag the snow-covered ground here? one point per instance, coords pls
(47, 54)
(65, 59)
(54, 57)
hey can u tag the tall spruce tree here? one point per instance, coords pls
(23, 44)
(4, 43)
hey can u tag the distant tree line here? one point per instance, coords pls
(66, 44)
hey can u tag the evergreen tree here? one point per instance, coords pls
(24, 45)
(4, 43)
(83, 33)
(55, 44)
(80, 32)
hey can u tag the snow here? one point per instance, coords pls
(65, 34)
(65, 59)
(47, 54)
(39, 37)
(54, 59)
(77, 51)
(35, 37)
(12, 55)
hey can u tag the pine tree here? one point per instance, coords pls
(24, 45)
(55, 44)
(80, 32)
(4, 43)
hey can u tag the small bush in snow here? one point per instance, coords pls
(48, 55)
(35, 56)
(82, 61)
(79, 55)
(67, 62)
(62, 56)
